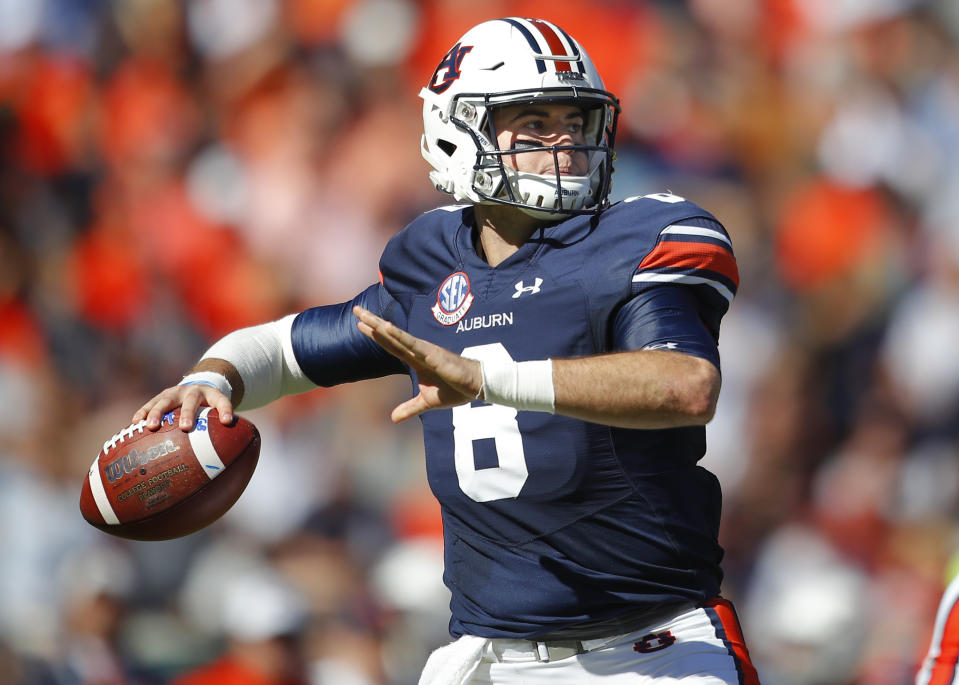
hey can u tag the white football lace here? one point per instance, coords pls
(123, 435)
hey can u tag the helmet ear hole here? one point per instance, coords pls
(446, 146)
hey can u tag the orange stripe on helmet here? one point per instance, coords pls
(553, 41)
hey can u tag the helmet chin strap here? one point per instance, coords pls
(545, 195)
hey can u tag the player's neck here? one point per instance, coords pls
(501, 231)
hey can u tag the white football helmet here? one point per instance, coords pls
(513, 61)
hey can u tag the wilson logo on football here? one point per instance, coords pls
(453, 299)
(134, 459)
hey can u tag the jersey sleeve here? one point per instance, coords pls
(665, 317)
(680, 290)
(695, 253)
(331, 350)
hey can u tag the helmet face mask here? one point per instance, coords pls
(509, 62)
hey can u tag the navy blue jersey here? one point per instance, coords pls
(551, 521)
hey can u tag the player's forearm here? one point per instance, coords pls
(641, 389)
(258, 362)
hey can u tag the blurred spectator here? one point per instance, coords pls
(805, 610)
(264, 621)
(97, 589)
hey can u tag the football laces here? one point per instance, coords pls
(123, 435)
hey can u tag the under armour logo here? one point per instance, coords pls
(654, 642)
(531, 289)
(662, 346)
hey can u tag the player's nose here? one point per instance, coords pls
(571, 162)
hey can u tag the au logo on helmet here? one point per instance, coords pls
(453, 299)
(451, 63)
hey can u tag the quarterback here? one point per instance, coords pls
(564, 356)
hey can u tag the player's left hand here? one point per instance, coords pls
(445, 379)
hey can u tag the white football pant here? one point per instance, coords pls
(701, 645)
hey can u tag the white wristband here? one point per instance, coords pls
(523, 385)
(211, 378)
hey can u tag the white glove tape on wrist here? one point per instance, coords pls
(523, 385)
(211, 378)
(263, 356)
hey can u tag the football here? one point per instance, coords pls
(164, 484)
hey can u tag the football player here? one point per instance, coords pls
(565, 354)
(942, 657)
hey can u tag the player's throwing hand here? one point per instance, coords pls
(190, 398)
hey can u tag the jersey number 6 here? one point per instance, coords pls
(484, 422)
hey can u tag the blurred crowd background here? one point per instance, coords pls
(173, 169)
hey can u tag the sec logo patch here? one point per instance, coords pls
(453, 299)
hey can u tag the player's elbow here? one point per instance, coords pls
(701, 392)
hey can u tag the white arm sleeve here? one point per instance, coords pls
(263, 355)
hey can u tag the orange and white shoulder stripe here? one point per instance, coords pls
(939, 666)
(692, 255)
